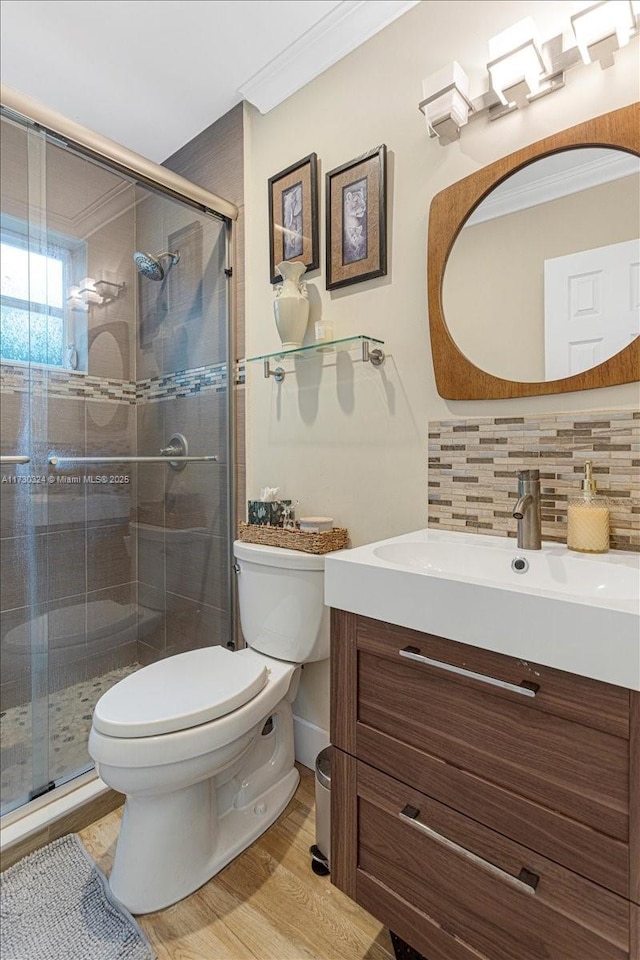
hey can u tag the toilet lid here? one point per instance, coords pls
(179, 692)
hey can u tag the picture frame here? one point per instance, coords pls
(293, 216)
(356, 218)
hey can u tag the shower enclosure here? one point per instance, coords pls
(116, 492)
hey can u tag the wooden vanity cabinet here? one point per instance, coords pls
(483, 806)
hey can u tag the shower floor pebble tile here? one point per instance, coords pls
(70, 713)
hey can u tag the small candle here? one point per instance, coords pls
(324, 331)
(588, 526)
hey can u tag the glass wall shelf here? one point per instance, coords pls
(371, 353)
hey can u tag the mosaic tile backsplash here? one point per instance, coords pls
(474, 463)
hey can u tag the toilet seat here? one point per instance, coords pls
(178, 693)
(181, 745)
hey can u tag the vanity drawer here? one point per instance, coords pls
(574, 845)
(495, 896)
(576, 770)
(589, 702)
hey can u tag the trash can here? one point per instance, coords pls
(321, 849)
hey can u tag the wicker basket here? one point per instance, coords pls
(324, 542)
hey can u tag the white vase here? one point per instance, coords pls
(291, 304)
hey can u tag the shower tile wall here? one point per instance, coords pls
(112, 326)
(215, 160)
(181, 528)
(89, 537)
(181, 515)
(64, 546)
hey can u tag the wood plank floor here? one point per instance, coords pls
(265, 905)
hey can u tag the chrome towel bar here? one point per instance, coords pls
(175, 454)
(166, 458)
(15, 459)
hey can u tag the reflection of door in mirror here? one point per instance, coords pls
(494, 295)
(591, 307)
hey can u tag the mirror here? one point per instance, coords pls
(558, 242)
(534, 267)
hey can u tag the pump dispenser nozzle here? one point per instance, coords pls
(588, 484)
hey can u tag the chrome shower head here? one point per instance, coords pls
(150, 267)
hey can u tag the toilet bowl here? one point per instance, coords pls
(201, 743)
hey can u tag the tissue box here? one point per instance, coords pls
(267, 514)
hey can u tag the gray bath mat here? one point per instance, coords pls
(56, 905)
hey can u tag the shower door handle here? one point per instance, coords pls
(15, 459)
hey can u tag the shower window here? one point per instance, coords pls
(32, 307)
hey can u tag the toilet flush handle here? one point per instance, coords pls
(236, 567)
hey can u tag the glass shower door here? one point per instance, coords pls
(105, 566)
(68, 603)
(27, 340)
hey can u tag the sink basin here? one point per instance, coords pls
(552, 569)
(575, 612)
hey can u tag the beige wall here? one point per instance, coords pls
(343, 438)
(501, 261)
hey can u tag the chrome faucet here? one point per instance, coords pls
(527, 510)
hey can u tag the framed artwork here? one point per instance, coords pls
(357, 219)
(293, 216)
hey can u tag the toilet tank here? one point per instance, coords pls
(281, 598)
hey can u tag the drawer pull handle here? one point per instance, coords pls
(525, 882)
(525, 689)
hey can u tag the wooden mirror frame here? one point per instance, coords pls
(457, 378)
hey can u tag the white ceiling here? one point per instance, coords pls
(151, 74)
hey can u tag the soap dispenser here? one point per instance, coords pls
(588, 518)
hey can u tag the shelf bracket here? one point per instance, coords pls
(369, 354)
(277, 374)
(376, 356)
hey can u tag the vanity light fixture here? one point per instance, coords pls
(522, 69)
(602, 28)
(87, 292)
(516, 63)
(90, 291)
(446, 103)
(81, 294)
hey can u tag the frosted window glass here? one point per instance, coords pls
(31, 337)
(31, 317)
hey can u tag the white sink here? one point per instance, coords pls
(551, 570)
(571, 611)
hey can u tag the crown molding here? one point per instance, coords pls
(561, 183)
(348, 25)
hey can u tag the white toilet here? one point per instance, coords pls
(202, 743)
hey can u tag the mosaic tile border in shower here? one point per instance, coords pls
(473, 467)
(19, 379)
(16, 378)
(184, 383)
